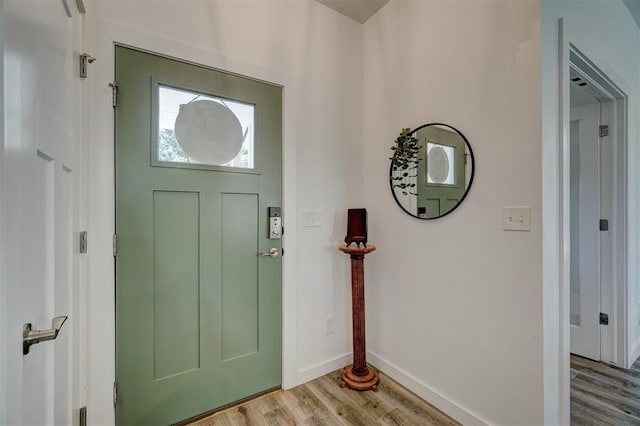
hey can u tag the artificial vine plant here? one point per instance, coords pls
(404, 163)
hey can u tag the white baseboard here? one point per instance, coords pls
(435, 398)
(323, 368)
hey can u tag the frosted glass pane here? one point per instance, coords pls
(575, 222)
(170, 102)
(440, 164)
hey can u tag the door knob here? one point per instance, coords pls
(273, 253)
(31, 337)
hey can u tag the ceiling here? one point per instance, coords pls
(579, 96)
(634, 8)
(360, 10)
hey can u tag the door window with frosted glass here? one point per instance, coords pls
(197, 130)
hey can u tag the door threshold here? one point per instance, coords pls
(224, 407)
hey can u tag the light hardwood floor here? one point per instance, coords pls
(323, 402)
(604, 395)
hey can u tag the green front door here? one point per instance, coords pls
(198, 311)
(438, 198)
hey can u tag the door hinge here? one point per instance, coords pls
(604, 225)
(114, 92)
(115, 393)
(85, 60)
(82, 418)
(604, 319)
(83, 242)
(115, 245)
(604, 130)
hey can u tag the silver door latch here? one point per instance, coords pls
(273, 253)
(31, 337)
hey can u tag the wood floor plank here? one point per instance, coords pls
(397, 417)
(587, 366)
(394, 403)
(314, 411)
(367, 400)
(590, 411)
(615, 396)
(338, 402)
(322, 402)
(279, 417)
(413, 405)
(221, 419)
(602, 394)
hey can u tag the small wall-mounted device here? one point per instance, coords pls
(275, 223)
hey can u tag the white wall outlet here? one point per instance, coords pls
(312, 219)
(516, 218)
(329, 325)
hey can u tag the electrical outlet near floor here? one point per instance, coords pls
(329, 325)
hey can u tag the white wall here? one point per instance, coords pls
(606, 33)
(3, 284)
(317, 55)
(455, 304)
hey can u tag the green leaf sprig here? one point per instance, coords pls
(405, 161)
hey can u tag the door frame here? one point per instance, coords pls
(556, 244)
(101, 300)
(613, 286)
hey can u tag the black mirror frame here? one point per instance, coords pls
(466, 191)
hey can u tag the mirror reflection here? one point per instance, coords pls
(431, 170)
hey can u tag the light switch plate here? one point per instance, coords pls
(516, 218)
(312, 219)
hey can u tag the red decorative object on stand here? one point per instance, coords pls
(359, 375)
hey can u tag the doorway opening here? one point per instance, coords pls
(594, 182)
(596, 162)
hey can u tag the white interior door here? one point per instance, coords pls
(585, 233)
(40, 204)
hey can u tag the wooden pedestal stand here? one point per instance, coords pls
(358, 376)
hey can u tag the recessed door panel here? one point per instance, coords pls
(176, 282)
(239, 275)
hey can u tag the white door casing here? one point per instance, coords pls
(102, 34)
(585, 235)
(42, 128)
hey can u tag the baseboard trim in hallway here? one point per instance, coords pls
(435, 398)
(323, 368)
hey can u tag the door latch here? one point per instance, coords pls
(31, 337)
(272, 253)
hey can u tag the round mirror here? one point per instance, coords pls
(431, 170)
